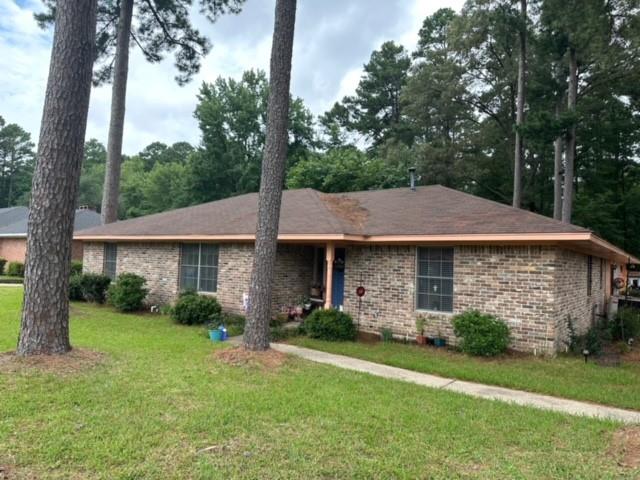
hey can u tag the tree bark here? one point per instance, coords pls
(558, 145)
(522, 72)
(570, 155)
(111, 189)
(256, 336)
(45, 316)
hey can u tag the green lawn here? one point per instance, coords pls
(563, 376)
(161, 396)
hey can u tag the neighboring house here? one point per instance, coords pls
(13, 232)
(431, 250)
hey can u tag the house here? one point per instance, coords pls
(429, 250)
(13, 232)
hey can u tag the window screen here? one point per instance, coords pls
(199, 267)
(110, 260)
(435, 279)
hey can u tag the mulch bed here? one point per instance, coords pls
(625, 447)
(76, 361)
(239, 356)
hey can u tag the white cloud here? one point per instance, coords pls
(333, 40)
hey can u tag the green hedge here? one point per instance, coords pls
(330, 324)
(15, 269)
(481, 334)
(3, 262)
(194, 309)
(128, 292)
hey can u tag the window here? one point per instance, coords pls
(110, 260)
(589, 274)
(199, 267)
(434, 279)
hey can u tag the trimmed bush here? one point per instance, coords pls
(76, 268)
(75, 288)
(481, 334)
(330, 324)
(3, 262)
(127, 293)
(15, 269)
(94, 287)
(194, 309)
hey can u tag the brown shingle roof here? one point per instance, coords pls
(432, 210)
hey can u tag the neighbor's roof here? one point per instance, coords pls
(13, 221)
(400, 215)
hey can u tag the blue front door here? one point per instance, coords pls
(337, 292)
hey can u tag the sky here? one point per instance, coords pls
(333, 39)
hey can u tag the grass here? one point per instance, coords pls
(10, 279)
(563, 376)
(161, 396)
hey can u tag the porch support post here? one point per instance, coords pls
(329, 255)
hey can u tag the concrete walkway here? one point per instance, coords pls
(545, 402)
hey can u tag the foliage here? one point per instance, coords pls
(15, 269)
(194, 309)
(234, 323)
(76, 267)
(626, 324)
(94, 287)
(386, 334)
(420, 323)
(3, 262)
(17, 158)
(481, 334)
(75, 288)
(330, 324)
(128, 292)
(232, 116)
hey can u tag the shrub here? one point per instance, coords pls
(626, 323)
(330, 324)
(386, 334)
(194, 309)
(128, 292)
(76, 268)
(481, 334)
(75, 288)
(15, 269)
(3, 262)
(94, 287)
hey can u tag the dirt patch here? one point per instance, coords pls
(76, 361)
(239, 356)
(5, 472)
(625, 447)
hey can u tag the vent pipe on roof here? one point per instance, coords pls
(412, 178)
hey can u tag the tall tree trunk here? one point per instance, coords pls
(45, 315)
(558, 145)
(570, 155)
(522, 72)
(256, 336)
(111, 189)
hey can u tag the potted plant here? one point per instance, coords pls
(420, 338)
(440, 341)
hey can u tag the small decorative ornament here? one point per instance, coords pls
(586, 354)
(360, 291)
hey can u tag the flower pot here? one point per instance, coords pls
(440, 342)
(215, 335)
(421, 340)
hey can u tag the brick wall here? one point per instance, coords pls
(13, 249)
(159, 264)
(517, 284)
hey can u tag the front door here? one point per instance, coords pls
(337, 294)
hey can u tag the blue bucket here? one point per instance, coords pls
(215, 335)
